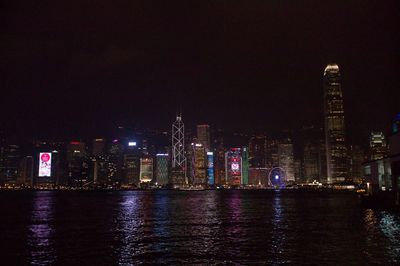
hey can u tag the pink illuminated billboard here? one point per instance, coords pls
(45, 164)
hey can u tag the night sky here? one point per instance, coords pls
(71, 68)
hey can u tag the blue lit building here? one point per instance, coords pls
(210, 168)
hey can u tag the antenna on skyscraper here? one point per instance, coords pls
(179, 111)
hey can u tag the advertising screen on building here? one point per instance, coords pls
(235, 167)
(44, 164)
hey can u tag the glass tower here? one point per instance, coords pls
(336, 156)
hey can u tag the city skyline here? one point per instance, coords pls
(199, 132)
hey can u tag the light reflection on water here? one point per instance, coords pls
(277, 232)
(204, 227)
(41, 229)
(390, 226)
(129, 228)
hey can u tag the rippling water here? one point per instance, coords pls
(202, 227)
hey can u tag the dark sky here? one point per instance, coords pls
(79, 67)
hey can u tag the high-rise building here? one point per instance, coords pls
(219, 158)
(161, 169)
(286, 159)
(377, 146)
(237, 166)
(47, 168)
(336, 155)
(26, 168)
(257, 151)
(314, 160)
(356, 156)
(199, 164)
(77, 163)
(9, 163)
(178, 172)
(98, 162)
(131, 169)
(245, 166)
(233, 167)
(131, 165)
(99, 169)
(298, 170)
(116, 161)
(210, 168)
(146, 170)
(98, 147)
(203, 136)
(272, 154)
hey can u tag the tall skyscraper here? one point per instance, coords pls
(9, 163)
(336, 155)
(313, 153)
(314, 160)
(356, 159)
(219, 158)
(162, 169)
(199, 164)
(286, 158)
(245, 166)
(210, 168)
(131, 167)
(178, 172)
(233, 167)
(237, 166)
(203, 136)
(98, 147)
(26, 168)
(377, 146)
(146, 170)
(77, 163)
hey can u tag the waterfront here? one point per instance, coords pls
(203, 227)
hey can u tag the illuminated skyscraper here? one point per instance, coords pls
(219, 158)
(131, 165)
(77, 160)
(146, 170)
(162, 169)
(178, 175)
(237, 166)
(314, 160)
(286, 158)
(245, 166)
(98, 147)
(336, 155)
(203, 136)
(233, 167)
(356, 159)
(210, 168)
(377, 146)
(199, 164)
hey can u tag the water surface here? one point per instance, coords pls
(203, 227)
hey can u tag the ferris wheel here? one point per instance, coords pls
(277, 177)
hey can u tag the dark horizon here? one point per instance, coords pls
(81, 69)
